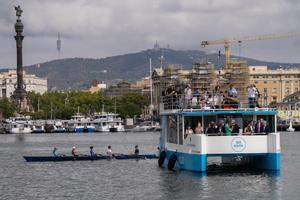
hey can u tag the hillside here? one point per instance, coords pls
(77, 73)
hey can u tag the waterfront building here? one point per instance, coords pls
(143, 85)
(96, 86)
(121, 89)
(274, 84)
(290, 106)
(8, 80)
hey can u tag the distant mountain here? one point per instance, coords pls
(77, 73)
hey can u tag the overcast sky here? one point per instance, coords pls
(100, 28)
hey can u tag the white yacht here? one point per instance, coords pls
(58, 127)
(146, 126)
(79, 124)
(38, 127)
(19, 125)
(108, 122)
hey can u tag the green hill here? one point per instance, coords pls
(77, 73)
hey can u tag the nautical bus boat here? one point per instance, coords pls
(108, 122)
(80, 124)
(191, 151)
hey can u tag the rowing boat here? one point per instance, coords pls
(86, 157)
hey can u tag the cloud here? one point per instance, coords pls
(99, 28)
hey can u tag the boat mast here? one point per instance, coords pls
(115, 106)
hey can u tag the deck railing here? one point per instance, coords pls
(180, 102)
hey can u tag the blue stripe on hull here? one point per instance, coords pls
(270, 161)
(81, 130)
(197, 162)
(192, 162)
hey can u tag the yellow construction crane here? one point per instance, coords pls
(239, 40)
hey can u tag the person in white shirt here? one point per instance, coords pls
(188, 95)
(232, 91)
(109, 152)
(252, 96)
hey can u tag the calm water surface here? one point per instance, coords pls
(131, 179)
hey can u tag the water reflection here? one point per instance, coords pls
(240, 185)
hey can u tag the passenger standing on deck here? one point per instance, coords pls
(221, 127)
(92, 153)
(109, 152)
(234, 127)
(136, 150)
(266, 128)
(188, 131)
(252, 96)
(227, 129)
(199, 129)
(249, 129)
(232, 91)
(188, 95)
(74, 152)
(259, 126)
(55, 152)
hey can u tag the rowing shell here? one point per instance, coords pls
(85, 157)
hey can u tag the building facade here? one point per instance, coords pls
(274, 84)
(290, 106)
(8, 80)
(164, 77)
(121, 89)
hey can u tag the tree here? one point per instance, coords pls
(8, 108)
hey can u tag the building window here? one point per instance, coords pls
(287, 81)
(274, 98)
(287, 76)
(256, 82)
(265, 82)
(265, 89)
(274, 81)
(296, 89)
(274, 90)
(10, 80)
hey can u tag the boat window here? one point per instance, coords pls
(192, 121)
(270, 121)
(172, 130)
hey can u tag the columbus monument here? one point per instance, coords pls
(19, 96)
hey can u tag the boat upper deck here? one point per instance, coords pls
(173, 105)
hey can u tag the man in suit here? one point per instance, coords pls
(265, 127)
(259, 126)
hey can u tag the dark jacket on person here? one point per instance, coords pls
(235, 128)
(259, 127)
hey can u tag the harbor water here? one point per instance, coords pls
(132, 179)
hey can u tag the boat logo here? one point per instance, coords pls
(238, 144)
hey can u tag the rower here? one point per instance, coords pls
(55, 152)
(92, 153)
(74, 153)
(136, 150)
(109, 152)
